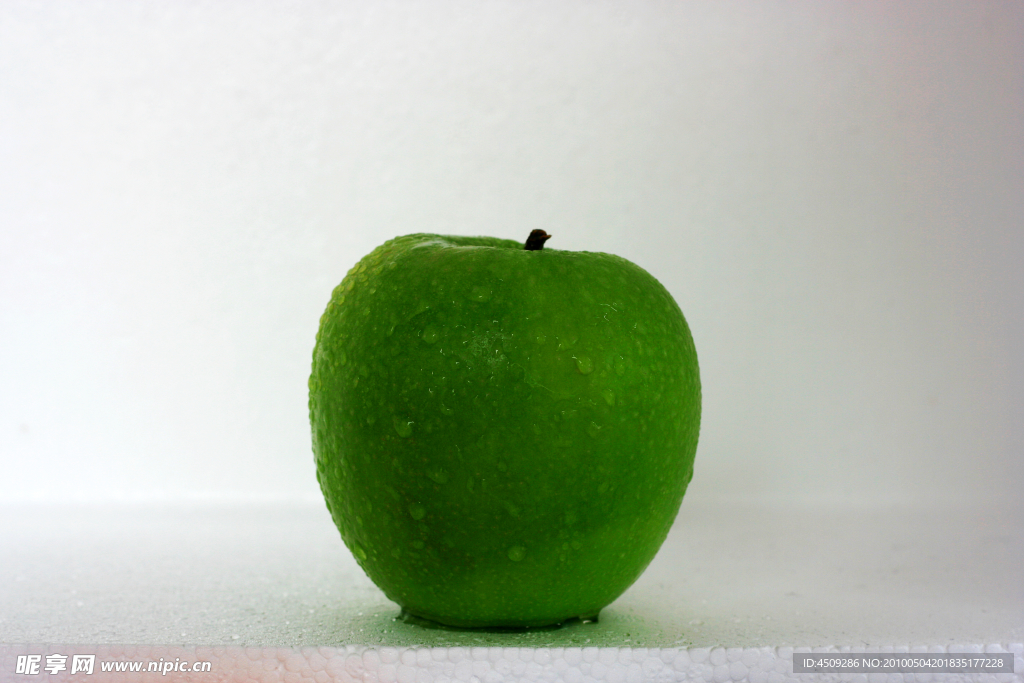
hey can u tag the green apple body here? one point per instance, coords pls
(503, 437)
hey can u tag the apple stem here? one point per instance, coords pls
(535, 242)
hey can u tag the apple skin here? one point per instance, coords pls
(503, 437)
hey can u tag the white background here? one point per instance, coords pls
(833, 192)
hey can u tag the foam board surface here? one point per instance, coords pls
(270, 587)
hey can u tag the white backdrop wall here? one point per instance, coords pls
(833, 192)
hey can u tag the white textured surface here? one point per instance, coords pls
(734, 576)
(497, 664)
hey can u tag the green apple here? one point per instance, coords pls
(503, 435)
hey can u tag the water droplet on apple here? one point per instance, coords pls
(480, 293)
(417, 511)
(430, 334)
(540, 339)
(593, 429)
(584, 364)
(403, 427)
(358, 551)
(603, 488)
(516, 553)
(620, 365)
(609, 396)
